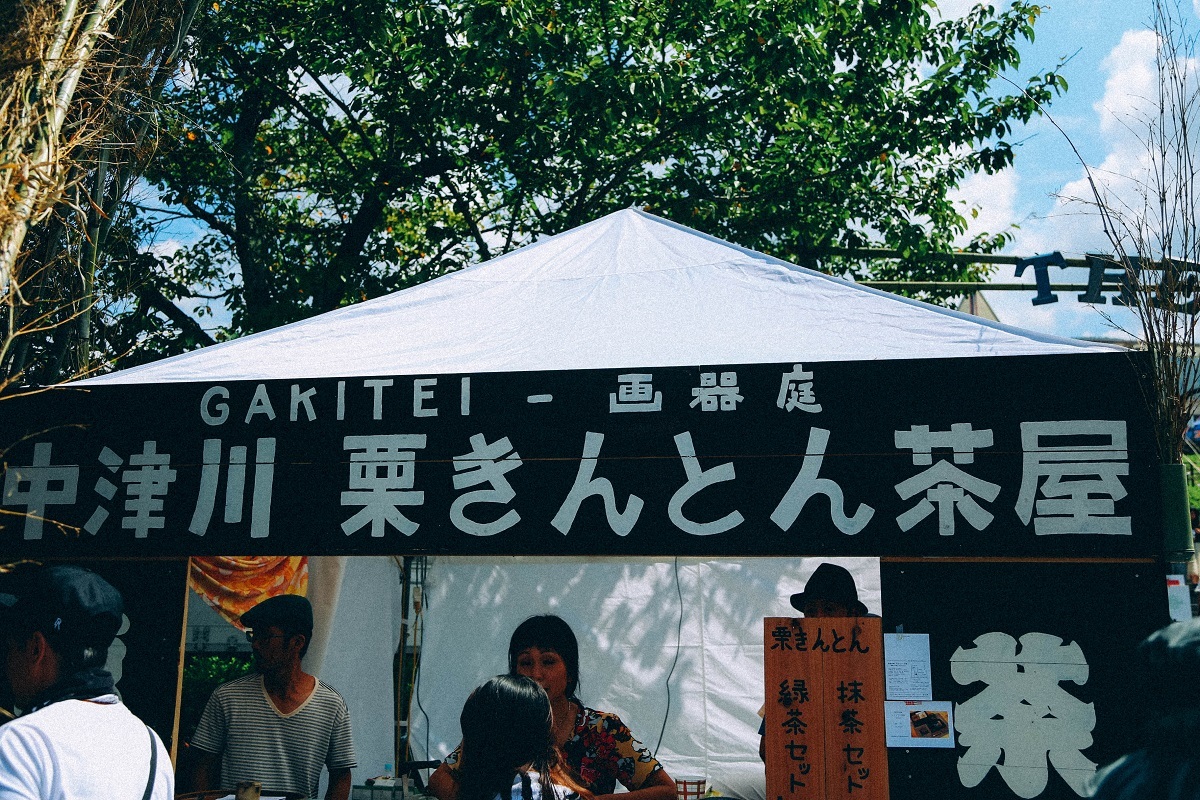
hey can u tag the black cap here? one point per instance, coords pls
(833, 583)
(71, 603)
(291, 613)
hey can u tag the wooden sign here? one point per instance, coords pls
(824, 708)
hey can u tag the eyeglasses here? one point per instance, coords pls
(262, 636)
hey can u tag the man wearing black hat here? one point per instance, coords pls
(280, 725)
(829, 592)
(76, 740)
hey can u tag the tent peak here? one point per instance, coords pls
(627, 290)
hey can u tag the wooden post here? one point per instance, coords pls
(179, 666)
(824, 708)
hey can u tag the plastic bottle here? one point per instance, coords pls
(388, 777)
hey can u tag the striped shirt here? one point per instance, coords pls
(528, 785)
(283, 751)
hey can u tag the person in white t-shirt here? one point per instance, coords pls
(76, 739)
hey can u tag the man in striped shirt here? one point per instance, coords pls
(280, 725)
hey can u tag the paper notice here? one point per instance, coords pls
(1179, 598)
(919, 723)
(906, 666)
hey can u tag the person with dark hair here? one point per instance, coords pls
(1167, 767)
(596, 746)
(507, 746)
(280, 725)
(76, 739)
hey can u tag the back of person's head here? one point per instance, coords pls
(506, 725)
(1167, 767)
(547, 632)
(76, 610)
(1170, 663)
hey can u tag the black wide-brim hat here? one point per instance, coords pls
(833, 583)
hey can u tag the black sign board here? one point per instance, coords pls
(1032, 456)
(1038, 660)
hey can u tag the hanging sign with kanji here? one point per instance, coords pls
(824, 721)
(1028, 456)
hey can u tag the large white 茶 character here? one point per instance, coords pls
(946, 488)
(1023, 718)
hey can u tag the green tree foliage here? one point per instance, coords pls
(78, 84)
(334, 152)
(202, 674)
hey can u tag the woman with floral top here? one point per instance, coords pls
(597, 746)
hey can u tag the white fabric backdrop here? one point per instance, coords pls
(626, 615)
(358, 657)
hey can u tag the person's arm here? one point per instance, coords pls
(207, 744)
(442, 784)
(340, 758)
(659, 786)
(645, 779)
(205, 766)
(339, 785)
(20, 765)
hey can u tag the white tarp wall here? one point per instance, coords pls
(363, 638)
(634, 619)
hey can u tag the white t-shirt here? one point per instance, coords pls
(81, 750)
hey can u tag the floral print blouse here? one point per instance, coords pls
(601, 751)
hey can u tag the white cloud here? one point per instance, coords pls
(1070, 223)
(1130, 89)
(953, 9)
(991, 197)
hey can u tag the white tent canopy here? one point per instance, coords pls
(627, 290)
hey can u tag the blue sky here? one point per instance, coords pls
(1110, 69)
